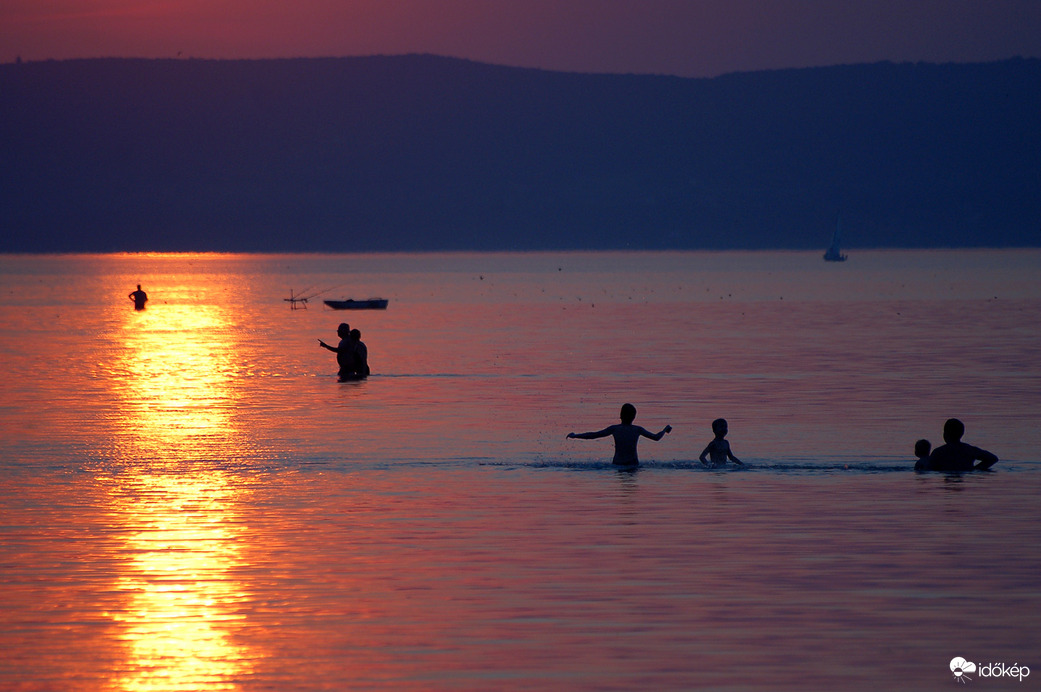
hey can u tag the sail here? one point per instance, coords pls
(834, 254)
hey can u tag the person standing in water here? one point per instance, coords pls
(359, 356)
(957, 456)
(625, 435)
(718, 450)
(139, 297)
(344, 350)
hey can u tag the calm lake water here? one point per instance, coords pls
(189, 500)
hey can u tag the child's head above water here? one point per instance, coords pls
(719, 427)
(628, 414)
(922, 448)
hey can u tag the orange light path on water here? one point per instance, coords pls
(174, 384)
(179, 620)
(176, 506)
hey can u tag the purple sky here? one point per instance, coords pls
(693, 38)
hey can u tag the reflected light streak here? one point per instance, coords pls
(176, 377)
(184, 603)
(177, 505)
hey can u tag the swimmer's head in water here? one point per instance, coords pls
(953, 429)
(628, 413)
(922, 448)
(719, 426)
(343, 331)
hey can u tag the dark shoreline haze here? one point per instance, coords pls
(420, 153)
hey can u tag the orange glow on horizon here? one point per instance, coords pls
(689, 39)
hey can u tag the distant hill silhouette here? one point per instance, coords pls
(429, 153)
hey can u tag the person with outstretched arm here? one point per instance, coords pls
(344, 350)
(625, 435)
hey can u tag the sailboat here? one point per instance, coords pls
(833, 254)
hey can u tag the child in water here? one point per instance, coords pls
(718, 450)
(921, 450)
(626, 435)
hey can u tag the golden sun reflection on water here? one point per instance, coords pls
(183, 605)
(175, 385)
(176, 507)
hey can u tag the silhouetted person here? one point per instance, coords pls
(718, 450)
(359, 357)
(344, 352)
(139, 297)
(626, 435)
(921, 450)
(955, 455)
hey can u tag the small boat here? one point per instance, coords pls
(349, 304)
(833, 254)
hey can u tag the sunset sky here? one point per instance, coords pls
(691, 38)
